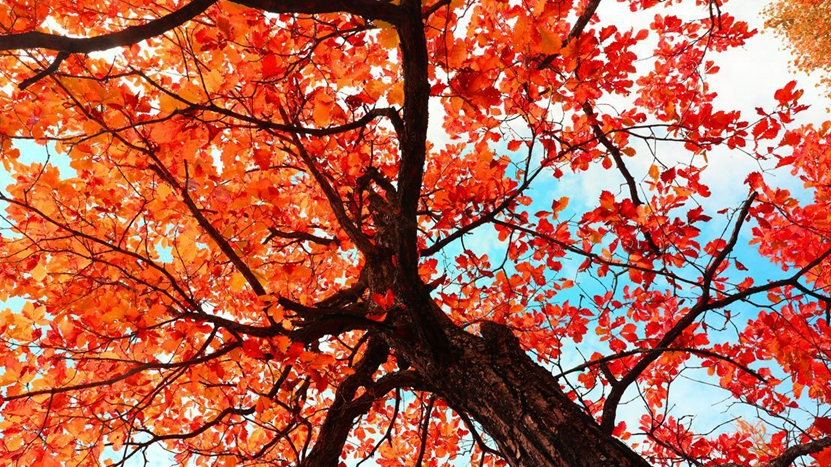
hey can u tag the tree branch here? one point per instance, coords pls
(594, 256)
(582, 21)
(341, 414)
(789, 456)
(629, 353)
(703, 305)
(388, 434)
(277, 233)
(614, 151)
(413, 145)
(53, 67)
(428, 413)
(361, 122)
(489, 217)
(135, 34)
(128, 36)
(372, 10)
(352, 231)
(576, 30)
(138, 369)
(712, 269)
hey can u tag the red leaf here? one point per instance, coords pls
(823, 424)
(384, 301)
(824, 457)
(270, 65)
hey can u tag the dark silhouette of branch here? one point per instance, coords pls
(485, 218)
(276, 233)
(425, 430)
(372, 10)
(343, 412)
(53, 67)
(614, 151)
(792, 453)
(704, 304)
(128, 36)
(700, 352)
(135, 34)
(576, 30)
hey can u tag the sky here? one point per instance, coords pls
(747, 79)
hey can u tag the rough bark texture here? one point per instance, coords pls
(517, 402)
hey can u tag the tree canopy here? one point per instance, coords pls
(804, 25)
(309, 233)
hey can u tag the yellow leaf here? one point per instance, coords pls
(551, 42)
(35, 315)
(168, 103)
(322, 114)
(237, 282)
(189, 252)
(388, 38)
(374, 88)
(38, 273)
(14, 441)
(10, 375)
(113, 315)
(213, 80)
(396, 94)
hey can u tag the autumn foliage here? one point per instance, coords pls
(304, 232)
(804, 25)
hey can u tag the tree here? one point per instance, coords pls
(257, 256)
(804, 25)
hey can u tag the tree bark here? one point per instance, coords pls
(518, 403)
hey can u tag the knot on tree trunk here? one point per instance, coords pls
(499, 339)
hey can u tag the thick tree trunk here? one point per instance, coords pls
(518, 403)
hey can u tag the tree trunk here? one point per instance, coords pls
(518, 403)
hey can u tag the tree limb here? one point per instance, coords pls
(277, 233)
(789, 456)
(342, 414)
(576, 30)
(629, 353)
(132, 372)
(614, 151)
(128, 36)
(415, 59)
(372, 10)
(135, 34)
(53, 67)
